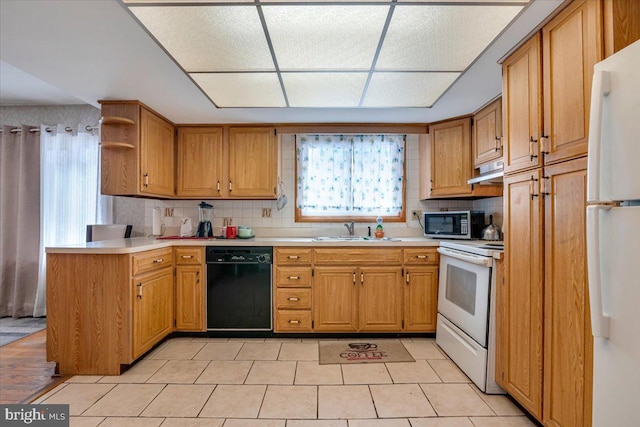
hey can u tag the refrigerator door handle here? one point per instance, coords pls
(599, 320)
(600, 88)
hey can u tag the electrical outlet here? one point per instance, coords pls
(416, 214)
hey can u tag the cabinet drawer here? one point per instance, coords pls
(151, 260)
(293, 256)
(351, 256)
(188, 255)
(293, 321)
(293, 277)
(293, 299)
(421, 256)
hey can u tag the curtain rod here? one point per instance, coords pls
(50, 129)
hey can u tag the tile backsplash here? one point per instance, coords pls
(139, 212)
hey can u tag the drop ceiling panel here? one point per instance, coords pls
(407, 89)
(338, 37)
(324, 89)
(441, 38)
(242, 89)
(209, 38)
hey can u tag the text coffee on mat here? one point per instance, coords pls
(378, 351)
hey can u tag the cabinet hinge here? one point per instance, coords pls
(312, 272)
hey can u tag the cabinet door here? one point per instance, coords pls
(421, 299)
(152, 309)
(487, 133)
(380, 301)
(156, 155)
(253, 162)
(335, 297)
(451, 157)
(522, 294)
(199, 166)
(190, 308)
(571, 45)
(522, 106)
(568, 343)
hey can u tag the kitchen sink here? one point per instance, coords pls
(353, 239)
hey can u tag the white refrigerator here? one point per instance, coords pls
(613, 238)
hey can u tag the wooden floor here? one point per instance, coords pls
(24, 370)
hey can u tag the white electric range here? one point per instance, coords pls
(466, 308)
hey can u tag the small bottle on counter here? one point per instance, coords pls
(379, 229)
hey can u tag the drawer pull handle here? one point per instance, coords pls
(295, 322)
(158, 261)
(293, 257)
(139, 295)
(422, 256)
(186, 256)
(293, 299)
(293, 277)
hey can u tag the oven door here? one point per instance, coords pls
(463, 291)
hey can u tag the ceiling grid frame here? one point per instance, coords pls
(131, 5)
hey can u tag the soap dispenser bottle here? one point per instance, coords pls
(379, 229)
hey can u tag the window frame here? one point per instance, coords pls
(300, 217)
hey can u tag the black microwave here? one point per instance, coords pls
(453, 224)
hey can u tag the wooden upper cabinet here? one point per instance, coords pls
(571, 45)
(156, 155)
(487, 133)
(450, 157)
(253, 162)
(520, 297)
(568, 342)
(522, 107)
(137, 156)
(200, 162)
(621, 24)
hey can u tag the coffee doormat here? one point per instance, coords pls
(378, 351)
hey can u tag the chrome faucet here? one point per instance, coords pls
(350, 228)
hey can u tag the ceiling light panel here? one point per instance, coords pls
(441, 38)
(339, 90)
(337, 37)
(209, 38)
(406, 89)
(242, 89)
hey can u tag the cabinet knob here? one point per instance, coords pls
(293, 299)
(186, 256)
(146, 179)
(293, 257)
(293, 277)
(422, 256)
(293, 321)
(158, 261)
(218, 186)
(532, 154)
(230, 186)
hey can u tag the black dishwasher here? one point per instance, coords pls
(239, 296)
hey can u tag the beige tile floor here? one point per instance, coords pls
(219, 382)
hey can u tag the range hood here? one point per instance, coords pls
(489, 172)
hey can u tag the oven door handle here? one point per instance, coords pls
(463, 256)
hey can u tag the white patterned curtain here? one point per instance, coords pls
(350, 175)
(70, 192)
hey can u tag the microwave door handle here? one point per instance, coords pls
(474, 259)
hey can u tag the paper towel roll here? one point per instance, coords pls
(156, 228)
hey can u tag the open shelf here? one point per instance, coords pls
(117, 145)
(115, 120)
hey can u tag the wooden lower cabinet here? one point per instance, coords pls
(568, 342)
(190, 298)
(152, 309)
(544, 341)
(380, 299)
(520, 321)
(420, 299)
(335, 299)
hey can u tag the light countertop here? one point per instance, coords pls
(140, 244)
